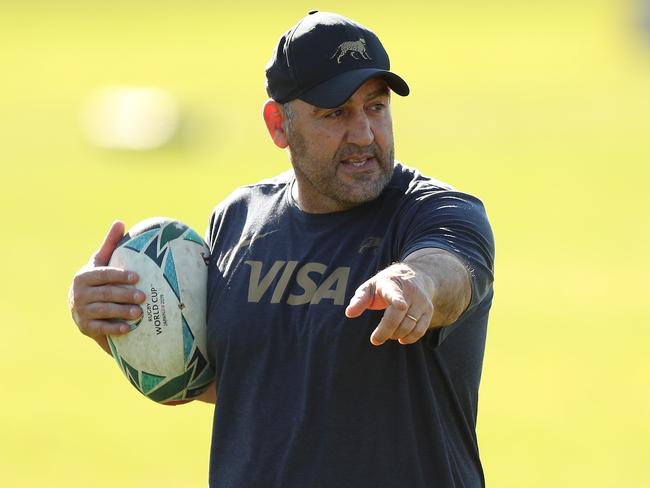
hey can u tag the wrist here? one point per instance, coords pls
(445, 279)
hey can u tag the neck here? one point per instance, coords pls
(319, 204)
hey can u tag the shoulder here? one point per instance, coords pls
(248, 200)
(248, 194)
(426, 205)
(265, 187)
(412, 188)
(409, 180)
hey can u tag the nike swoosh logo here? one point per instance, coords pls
(371, 242)
(225, 261)
(255, 237)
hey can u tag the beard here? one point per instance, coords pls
(322, 181)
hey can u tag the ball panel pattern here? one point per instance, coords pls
(161, 243)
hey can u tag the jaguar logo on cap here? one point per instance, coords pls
(355, 48)
(324, 59)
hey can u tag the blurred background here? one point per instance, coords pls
(133, 109)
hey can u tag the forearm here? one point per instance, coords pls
(445, 279)
(209, 395)
(102, 341)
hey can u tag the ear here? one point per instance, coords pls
(273, 117)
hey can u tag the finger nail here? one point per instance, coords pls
(134, 311)
(132, 277)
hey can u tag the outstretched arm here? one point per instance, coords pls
(430, 288)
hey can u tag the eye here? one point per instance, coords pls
(378, 107)
(334, 114)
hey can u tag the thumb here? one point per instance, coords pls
(103, 254)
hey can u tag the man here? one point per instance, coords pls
(348, 298)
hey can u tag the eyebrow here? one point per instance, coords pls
(383, 91)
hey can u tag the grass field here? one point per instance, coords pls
(541, 109)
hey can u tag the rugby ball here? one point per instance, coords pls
(164, 355)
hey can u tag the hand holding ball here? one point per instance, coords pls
(165, 354)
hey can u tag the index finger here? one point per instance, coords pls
(107, 275)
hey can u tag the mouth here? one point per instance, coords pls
(358, 162)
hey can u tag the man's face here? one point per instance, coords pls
(344, 156)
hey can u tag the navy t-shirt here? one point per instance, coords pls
(304, 400)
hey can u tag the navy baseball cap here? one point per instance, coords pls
(324, 59)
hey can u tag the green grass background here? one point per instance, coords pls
(540, 108)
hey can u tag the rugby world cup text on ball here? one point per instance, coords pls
(156, 311)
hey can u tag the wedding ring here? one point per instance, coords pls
(412, 318)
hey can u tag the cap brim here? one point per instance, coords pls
(335, 91)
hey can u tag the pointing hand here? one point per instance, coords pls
(406, 298)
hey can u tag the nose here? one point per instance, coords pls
(360, 130)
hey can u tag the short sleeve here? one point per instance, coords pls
(456, 222)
